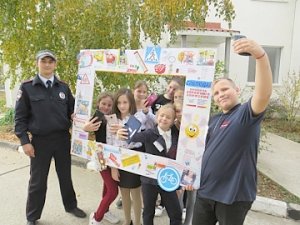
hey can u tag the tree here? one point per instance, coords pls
(66, 26)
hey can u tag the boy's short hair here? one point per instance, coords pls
(223, 78)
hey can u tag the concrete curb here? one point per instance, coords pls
(270, 206)
(276, 208)
(293, 211)
(261, 204)
(9, 145)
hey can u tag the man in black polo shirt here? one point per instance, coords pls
(44, 108)
(228, 173)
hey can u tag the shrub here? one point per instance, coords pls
(275, 110)
(8, 118)
(289, 98)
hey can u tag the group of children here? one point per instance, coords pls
(160, 125)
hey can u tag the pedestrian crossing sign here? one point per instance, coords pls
(152, 55)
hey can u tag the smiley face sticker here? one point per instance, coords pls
(192, 130)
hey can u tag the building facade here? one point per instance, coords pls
(275, 24)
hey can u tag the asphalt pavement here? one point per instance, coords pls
(14, 175)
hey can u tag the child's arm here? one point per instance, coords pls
(141, 117)
(140, 137)
(147, 119)
(151, 119)
(122, 134)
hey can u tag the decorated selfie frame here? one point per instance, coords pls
(197, 65)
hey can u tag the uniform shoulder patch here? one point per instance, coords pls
(64, 82)
(27, 81)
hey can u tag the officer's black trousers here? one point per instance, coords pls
(55, 146)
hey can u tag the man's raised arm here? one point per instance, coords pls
(263, 73)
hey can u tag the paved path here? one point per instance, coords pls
(14, 174)
(281, 162)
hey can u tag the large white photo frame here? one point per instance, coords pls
(197, 65)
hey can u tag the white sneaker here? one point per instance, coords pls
(92, 220)
(183, 214)
(91, 165)
(159, 210)
(111, 218)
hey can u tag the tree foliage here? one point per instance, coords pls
(219, 72)
(66, 26)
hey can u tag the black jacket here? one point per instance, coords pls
(148, 137)
(43, 111)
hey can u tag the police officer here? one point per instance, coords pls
(44, 108)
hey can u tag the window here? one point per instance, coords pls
(271, 0)
(274, 54)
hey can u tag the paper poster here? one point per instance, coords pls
(197, 65)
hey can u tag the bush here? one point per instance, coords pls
(285, 109)
(289, 98)
(2, 105)
(8, 118)
(275, 110)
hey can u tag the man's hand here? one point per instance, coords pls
(28, 150)
(263, 74)
(249, 46)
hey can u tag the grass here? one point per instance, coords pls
(267, 187)
(270, 189)
(282, 128)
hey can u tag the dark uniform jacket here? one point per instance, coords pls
(148, 138)
(43, 111)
